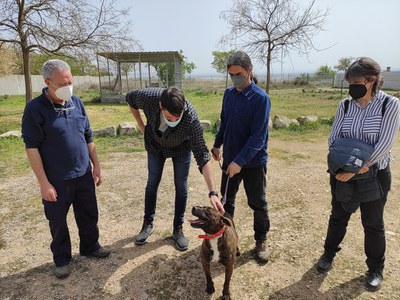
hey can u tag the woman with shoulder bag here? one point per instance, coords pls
(371, 116)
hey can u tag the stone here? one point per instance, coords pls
(127, 128)
(105, 131)
(16, 133)
(205, 125)
(307, 119)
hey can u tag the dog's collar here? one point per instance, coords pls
(213, 236)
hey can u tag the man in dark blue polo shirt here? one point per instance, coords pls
(59, 146)
(244, 136)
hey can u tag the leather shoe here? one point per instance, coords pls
(181, 242)
(324, 263)
(373, 280)
(99, 253)
(261, 252)
(62, 272)
(144, 234)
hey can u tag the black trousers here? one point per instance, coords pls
(372, 222)
(254, 182)
(80, 192)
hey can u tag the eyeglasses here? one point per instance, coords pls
(62, 109)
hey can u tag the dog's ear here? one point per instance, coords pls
(226, 221)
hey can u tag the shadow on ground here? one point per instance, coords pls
(152, 271)
(312, 280)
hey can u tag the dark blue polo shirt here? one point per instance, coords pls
(60, 137)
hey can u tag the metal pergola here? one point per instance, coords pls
(116, 94)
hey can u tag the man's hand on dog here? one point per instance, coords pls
(216, 203)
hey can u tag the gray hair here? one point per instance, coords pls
(239, 58)
(53, 65)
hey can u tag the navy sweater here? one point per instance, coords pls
(60, 137)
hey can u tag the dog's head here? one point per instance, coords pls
(209, 219)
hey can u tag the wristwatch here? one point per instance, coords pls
(212, 193)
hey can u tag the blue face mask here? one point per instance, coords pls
(171, 124)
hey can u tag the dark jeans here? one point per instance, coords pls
(254, 182)
(80, 192)
(372, 221)
(181, 172)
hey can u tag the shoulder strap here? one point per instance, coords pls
(346, 105)
(384, 105)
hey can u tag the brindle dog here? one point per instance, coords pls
(220, 243)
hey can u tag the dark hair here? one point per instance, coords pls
(173, 100)
(239, 58)
(254, 78)
(365, 67)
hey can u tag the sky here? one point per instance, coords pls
(353, 28)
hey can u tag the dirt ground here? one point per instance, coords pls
(299, 202)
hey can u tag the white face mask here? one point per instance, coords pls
(64, 93)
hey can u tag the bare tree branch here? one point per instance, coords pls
(61, 27)
(268, 28)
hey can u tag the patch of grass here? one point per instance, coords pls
(128, 144)
(293, 103)
(13, 159)
(301, 133)
(290, 102)
(278, 153)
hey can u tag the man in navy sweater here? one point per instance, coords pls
(244, 136)
(59, 146)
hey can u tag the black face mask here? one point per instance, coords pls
(357, 91)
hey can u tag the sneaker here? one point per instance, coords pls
(324, 263)
(143, 236)
(262, 252)
(181, 242)
(373, 281)
(62, 272)
(99, 253)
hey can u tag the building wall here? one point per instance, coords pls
(15, 84)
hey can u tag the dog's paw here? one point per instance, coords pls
(237, 252)
(210, 289)
(225, 297)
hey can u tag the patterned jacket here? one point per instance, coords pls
(185, 137)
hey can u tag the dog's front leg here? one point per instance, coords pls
(226, 295)
(206, 267)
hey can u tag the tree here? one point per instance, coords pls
(325, 70)
(7, 60)
(344, 63)
(219, 62)
(59, 27)
(269, 29)
(165, 71)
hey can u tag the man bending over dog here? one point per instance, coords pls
(172, 130)
(244, 136)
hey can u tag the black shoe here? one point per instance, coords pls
(181, 242)
(99, 253)
(62, 272)
(262, 252)
(324, 263)
(373, 280)
(143, 236)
